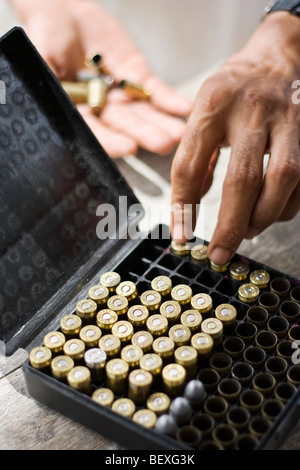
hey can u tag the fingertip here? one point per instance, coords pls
(220, 255)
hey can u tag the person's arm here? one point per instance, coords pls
(247, 105)
(64, 32)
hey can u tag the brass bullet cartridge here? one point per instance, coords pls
(152, 363)
(205, 423)
(138, 315)
(70, 325)
(290, 310)
(173, 376)
(264, 383)
(255, 356)
(90, 335)
(267, 341)
(157, 325)
(227, 314)
(251, 400)
(74, 348)
(189, 436)
(105, 320)
(135, 91)
(210, 379)
(271, 408)
(124, 407)
(110, 280)
(159, 403)
(99, 294)
(86, 309)
(123, 330)
(144, 340)
(259, 426)
(279, 326)
(199, 254)
(238, 417)
(139, 385)
(214, 328)
(180, 249)
(192, 319)
(203, 343)
(146, 418)
(233, 347)
(95, 360)
(118, 303)
(77, 91)
(151, 300)
(269, 301)
(117, 375)
(242, 372)
(182, 293)
(132, 355)
(127, 289)
(281, 287)
(171, 310)
(97, 94)
(219, 268)
(246, 331)
(276, 366)
(187, 357)
(216, 407)
(103, 396)
(221, 362)
(285, 349)
(61, 366)
(111, 344)
(55, 341)
(239, 271)
(225, 435)
(284, 391)
(164, 347)
(180, 334)
(246, 442)
(230, 389)
(202, 303)
(295, 294)
(248, 293)
(79, 378)
(259, 316)
(260, 278)
(162, 284)
(40, 357)
(293, 375)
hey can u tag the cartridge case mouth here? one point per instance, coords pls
(229, 389)
(271, 408)
(221, 362)
(246, 331)
(210, 379)
(264, 383)
(295, 294)
(211, 445)
(238, 417)
(246, 442)
(189, 435)
(251, 400)
(205, 423)
(276, 366)
(225, 435)
(285, 349)
(294, 333)
(255, 356)
(267, 341)
(258, 316)
(279, 326)
(258, 426)
(293, 375)
(280, 286)
(234, 347)
(243, 372)
(269, 301)
(290, 310)
(216, 407)
(284, 391)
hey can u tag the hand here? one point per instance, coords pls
(247, 105)
(64, 31)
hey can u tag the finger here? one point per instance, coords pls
(292, 207)
(114, 143)
(280, 180)
(148, 135)
(167, 99)
(190, 168)
(241, 188)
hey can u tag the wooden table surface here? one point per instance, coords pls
(26, 424)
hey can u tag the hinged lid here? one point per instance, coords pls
(54, 175)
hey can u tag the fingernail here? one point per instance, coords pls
(178, 233)
(221, 255)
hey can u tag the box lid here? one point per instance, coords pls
(54, 175)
